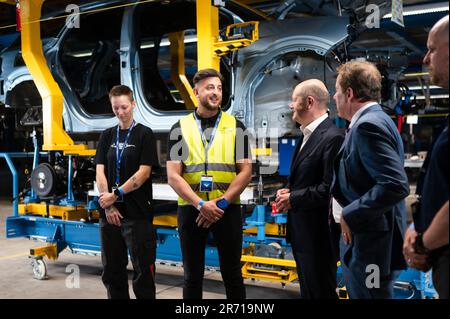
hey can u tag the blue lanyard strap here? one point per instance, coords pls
(207, 145)
(119, 154)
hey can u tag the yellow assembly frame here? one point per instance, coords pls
(209, 50)
(55, 137)
(209, 46)
(178, 69)
(74, 213)
(285, 270)
(50, 251)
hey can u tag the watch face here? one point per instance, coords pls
(222, 204)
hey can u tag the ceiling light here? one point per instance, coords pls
(422, 9)
(432, 97)
(418, 87)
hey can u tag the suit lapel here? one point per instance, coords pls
(310, 144)
(314, 139)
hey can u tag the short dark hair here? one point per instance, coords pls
(364, 79)
(120, 90)
(207, 73)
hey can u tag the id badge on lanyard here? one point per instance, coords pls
(119, 155)
(206, 181)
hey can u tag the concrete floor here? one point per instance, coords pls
(16, 276)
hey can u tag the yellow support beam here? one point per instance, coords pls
(12, 2)
(283, 276)
(269, 261)
(209, 47)
(165, 220)
(178, 70)
(256, 267)
(271, 229)
(51, 251)
(64, 212)
(55, 137)
(262, 151)
(237, 36)
(207, 35)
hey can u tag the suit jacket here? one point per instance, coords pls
(309, 184)
(370, 184)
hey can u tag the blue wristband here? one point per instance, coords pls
(200, 204)
(121, 191)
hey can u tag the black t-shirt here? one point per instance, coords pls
(435, 190)
(140, 150)
(181, 152)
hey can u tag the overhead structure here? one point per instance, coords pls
(55, 137)
(207, 34)
(178, 69)
(209, 46)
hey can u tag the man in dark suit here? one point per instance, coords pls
(308, 195)
(370, 184)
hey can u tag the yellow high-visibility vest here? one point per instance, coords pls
(221, 157)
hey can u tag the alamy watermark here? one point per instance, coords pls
(73, 20)
(373, 19)
(373, 277)
(73, 280)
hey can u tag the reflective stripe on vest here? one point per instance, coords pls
(221, 156)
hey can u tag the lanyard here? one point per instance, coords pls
(119, 154)
(207, 145)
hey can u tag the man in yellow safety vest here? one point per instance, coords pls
(209, 165)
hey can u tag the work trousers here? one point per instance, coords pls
(136, 237)
(227, 233)
(440, 272)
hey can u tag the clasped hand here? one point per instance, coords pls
(209, 213)
(283, 200)
(107, 199)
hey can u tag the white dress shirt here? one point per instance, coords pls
(358, 113)
(310, 128)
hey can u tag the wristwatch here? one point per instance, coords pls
(222, 204)
(117, 192)
(419, 246)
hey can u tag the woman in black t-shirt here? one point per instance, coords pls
(125, 156)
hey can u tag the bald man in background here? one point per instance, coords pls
(427, 240)
(307, 197)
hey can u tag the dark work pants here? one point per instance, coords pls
(316, 270)
(138, 238)
(227, 233)
(440, 272)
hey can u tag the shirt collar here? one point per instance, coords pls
(358, 113)
(311, 127)
(207, 119)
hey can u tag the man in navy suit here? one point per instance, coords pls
(370, 184)
(308, 196)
